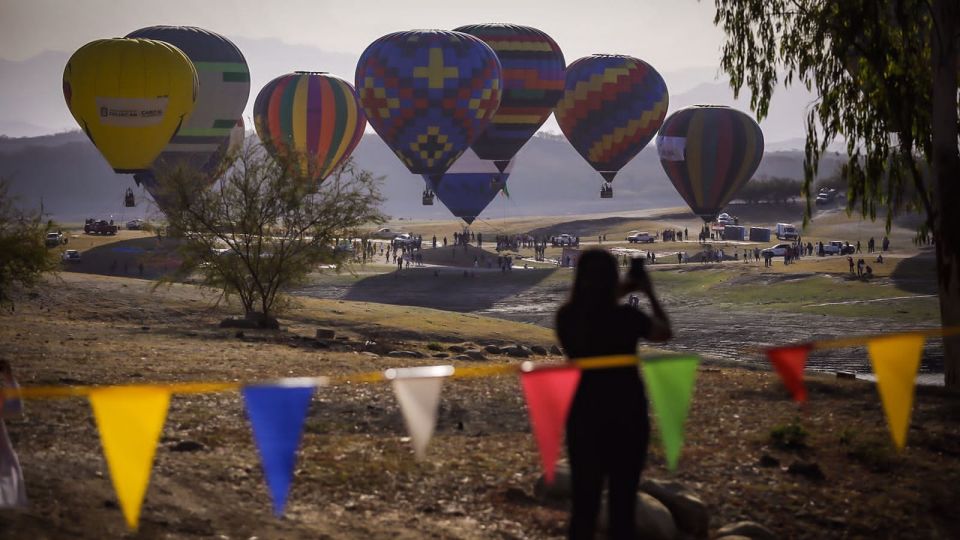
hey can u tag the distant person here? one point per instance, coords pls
(679, 258)
(868, 274)
(858, 247)
(850, 262)
(871, 245)
(860, 264)
(880, 258)
(886, 243)
(434, 241)
(608, 429)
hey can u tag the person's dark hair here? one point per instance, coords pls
(596, 280)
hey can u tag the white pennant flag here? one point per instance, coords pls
(418, 391)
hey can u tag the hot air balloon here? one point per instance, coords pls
(224, 79)
(309, 120)
(612, 106)
(709, 152)
(429, 94)
(533, 76)
(129, 96)
(469, 185)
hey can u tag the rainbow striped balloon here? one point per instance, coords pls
(532, 66)
(311, 120)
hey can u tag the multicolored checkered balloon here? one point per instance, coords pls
(429, 94)
(612, 106)
(533, 77)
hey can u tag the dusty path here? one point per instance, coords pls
(722, 331)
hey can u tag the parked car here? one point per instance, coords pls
(55, 239)
(405, 239)
(71, 255)
(385, 233)
(640, 238)
(778, 250)
(563, 240)
(836, 247)
(726, 219)
(135, 224)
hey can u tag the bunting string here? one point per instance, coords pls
(130, 417)
(472, 372)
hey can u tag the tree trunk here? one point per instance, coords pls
(946, 170)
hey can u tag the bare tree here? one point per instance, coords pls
(266, 227)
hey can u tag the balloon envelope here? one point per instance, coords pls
(532, 66)
(709, 152)
(468, 186)
(311, 121)
(129, 96)
(611, 108)
(429, 94)
(224, 89)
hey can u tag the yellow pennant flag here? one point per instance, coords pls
(130, 419)
(896, 361)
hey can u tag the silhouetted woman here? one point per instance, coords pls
(607, 428)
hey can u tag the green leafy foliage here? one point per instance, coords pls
(791, 436)
(885, 73)
(23, 255)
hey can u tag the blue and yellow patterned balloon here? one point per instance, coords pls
(429, 94)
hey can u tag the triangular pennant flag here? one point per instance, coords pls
(896, 361)
(670, 385)
(130, 419)
(549, 393)
(277, 414)
(790, 363)
(419, 398)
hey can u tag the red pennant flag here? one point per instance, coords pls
(549, 392)
(790, 362)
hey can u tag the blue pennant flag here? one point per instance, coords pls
(277, 414)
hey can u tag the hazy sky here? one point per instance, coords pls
(670, 34)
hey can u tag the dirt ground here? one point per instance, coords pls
(356, 475)
(99, 323)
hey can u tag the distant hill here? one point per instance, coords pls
(549, 178)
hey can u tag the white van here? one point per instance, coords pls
(786, 231)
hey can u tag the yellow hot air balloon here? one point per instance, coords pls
(130, 97)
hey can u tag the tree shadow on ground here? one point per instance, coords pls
(917, 274)
(451, 289)
(124, 258)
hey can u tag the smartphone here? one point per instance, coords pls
(637, 271)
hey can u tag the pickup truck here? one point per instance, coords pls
(836, 247)
(101, 226)
(640, 238)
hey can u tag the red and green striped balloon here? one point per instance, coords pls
(709, 152)
(312, 121)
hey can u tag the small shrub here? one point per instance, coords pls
(789, 436)
(434, 346)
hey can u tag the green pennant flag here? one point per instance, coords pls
(670, 386)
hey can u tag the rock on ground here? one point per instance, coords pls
(654, 521)
(749, 529)
(689, 512)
